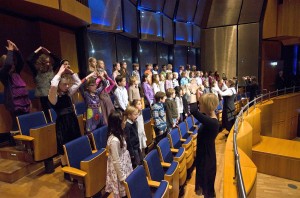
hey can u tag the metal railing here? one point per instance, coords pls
(264, 96)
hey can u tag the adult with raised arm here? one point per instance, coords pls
(16, 98)
(228, 113)
(206, 153)
(43, 63)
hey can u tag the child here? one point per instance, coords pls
(124, 72)
(155, 69)
(133, 91)
(175, 79)
(148, 70)
(193, 92)
(171, 109)
(92, 64)
(184, 80)
(61, 90)
(121, 95)
(16, 98)
(158, 115)
(181, 69)
(198, 78)
(132, 137)
(155, 83)
(169, 81)
(162, 83)
(94, 115)
(105, 100)
(164, 70)
(148, 91)
(43, 63)
(118, 162)
(179, 102)
(116, 70)
(185, 100)
(136, 72)
(141, 130)
(169, 68)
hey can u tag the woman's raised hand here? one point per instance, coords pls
(10, 46)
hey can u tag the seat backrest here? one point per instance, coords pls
(164, 150)
(146, 114)
(52, 114)
(153, 166)
(183, 130)
(31, 120)
(175, 138)
(80, 108)
(100, 137)
(189, 122)
(137, 183)
(77, 150)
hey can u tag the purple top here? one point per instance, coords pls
(148, 91)
(16, 95)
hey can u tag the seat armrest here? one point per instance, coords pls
(182, 140)
(190, 132)
(74, 171)
(156, 184)
(23, 138)
(174, 150)
(165, 164)
(94, 151)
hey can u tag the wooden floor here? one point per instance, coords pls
(54, 185)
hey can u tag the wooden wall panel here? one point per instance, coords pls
(48, 3)
(244, 138)
(76, 9)
(288, 19)
(68, 49)
(270, 20)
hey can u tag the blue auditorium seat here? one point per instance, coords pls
(177, 142)
(146, 114)
(52, 114)
(100, 137)
(88, 168)
(80, 108)
(156, 172)
(38, 137)
(167, 155)
(137, 186)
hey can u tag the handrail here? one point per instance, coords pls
(239, 117)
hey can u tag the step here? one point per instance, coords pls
(12, 170)
(12, 153)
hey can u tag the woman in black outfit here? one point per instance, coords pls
(228, 114)
(206, 153)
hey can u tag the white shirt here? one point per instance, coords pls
(121, 97)
(162, 86)
(179, 104)
(155, 88)
(199, 81)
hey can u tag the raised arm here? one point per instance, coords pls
(31, 61)
(4, 70)
(52, 96)
(19, 58)
(112, 84)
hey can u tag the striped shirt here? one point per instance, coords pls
(158, 114)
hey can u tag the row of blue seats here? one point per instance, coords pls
(80, 151)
